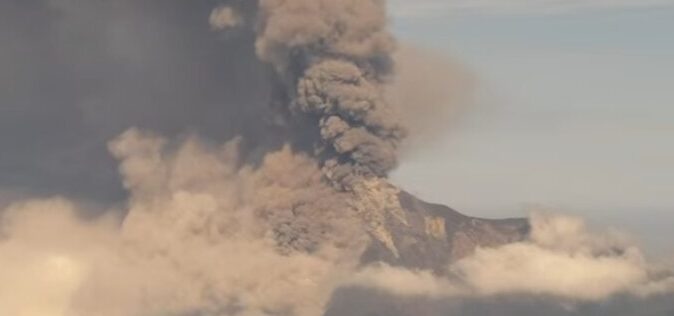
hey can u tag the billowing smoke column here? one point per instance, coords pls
(333, 58)
(208, 230)
(224, 230)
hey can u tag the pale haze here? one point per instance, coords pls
(573, 110)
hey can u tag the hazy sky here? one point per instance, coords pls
(575, 109)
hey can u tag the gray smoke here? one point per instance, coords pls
(77, 73)
(252, 141)
(333, 58)
(203, 235)
(250, 227)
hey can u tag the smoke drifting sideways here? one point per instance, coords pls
(268, 207)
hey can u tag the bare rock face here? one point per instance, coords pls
(420, 235)
(432, 235)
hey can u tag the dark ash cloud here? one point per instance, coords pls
(77, 73)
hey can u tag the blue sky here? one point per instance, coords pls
(575, 109)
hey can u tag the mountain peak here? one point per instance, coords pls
(432, 235)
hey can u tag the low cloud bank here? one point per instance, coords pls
(207, 235)
(561, 259)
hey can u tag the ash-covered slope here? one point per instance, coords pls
(432, 235)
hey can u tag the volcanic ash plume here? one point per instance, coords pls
(276, 224)
(206, 231)
(203, 235)
(333, 58)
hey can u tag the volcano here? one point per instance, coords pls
(430, 236)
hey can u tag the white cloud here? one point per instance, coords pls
(562, 259)
(422, 8)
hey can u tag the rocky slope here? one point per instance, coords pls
(432, 235)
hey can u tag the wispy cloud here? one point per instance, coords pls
(423, 8)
